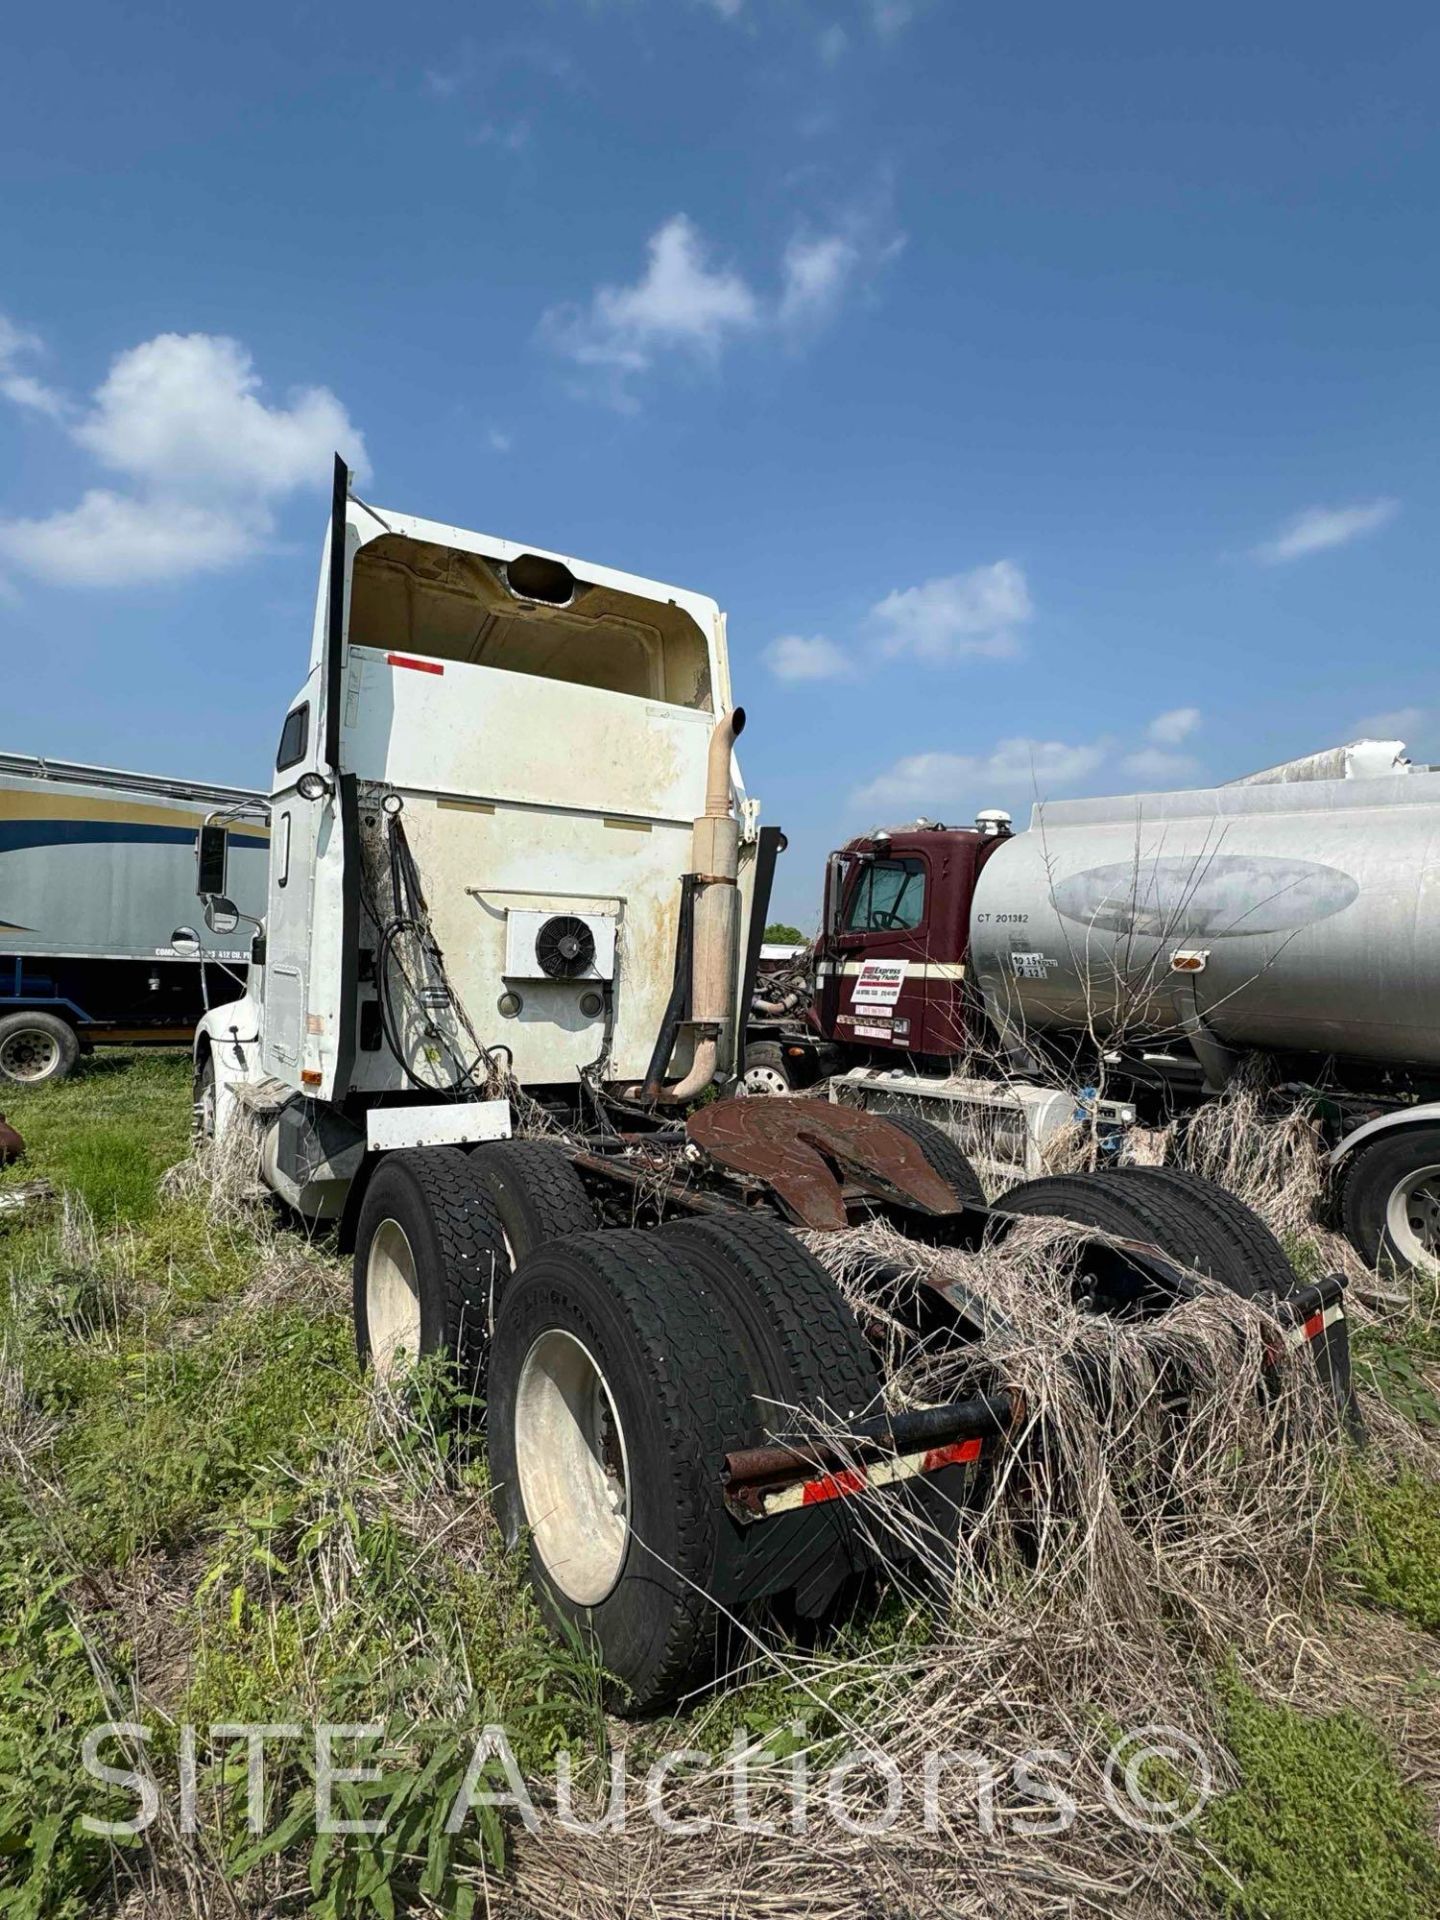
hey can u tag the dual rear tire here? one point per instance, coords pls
(618, 1369)
(1192, 1221)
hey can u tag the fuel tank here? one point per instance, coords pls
(1302, 916)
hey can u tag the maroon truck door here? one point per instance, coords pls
(878, 988)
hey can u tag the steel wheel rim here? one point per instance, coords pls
(572, 1467)
(767, 1082)
(392, 1300)
(1412, 1217)
(30, 1054)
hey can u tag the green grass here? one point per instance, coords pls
(108, 1132)
(180, 1424)
(1393, 1553)
(1321, 1826)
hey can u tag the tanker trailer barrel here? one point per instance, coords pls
(1295, 917)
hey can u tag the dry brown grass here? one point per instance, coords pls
(1118, 1554)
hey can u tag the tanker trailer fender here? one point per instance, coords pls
(1385, 1186)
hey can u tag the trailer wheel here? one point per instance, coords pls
(800, 1339)
(1390, 1199)
(765, 1074)
(37, 1049)
(1174, 1224)
(943, 1154)
(429, 1259)
(1253, 1241)
(615, 1390)
(536, 1192)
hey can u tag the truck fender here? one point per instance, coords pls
(1427, 1113)
(230, 1037)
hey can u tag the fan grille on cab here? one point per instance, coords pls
(565, 947)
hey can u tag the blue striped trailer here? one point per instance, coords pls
(97, 873)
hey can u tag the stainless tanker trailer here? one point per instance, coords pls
(1299, 917)
(1287, 914)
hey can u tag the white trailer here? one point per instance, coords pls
(96, 867)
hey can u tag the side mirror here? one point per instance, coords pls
(221, 915)
(212, 849)
(186, 942)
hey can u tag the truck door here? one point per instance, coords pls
(312, 931)
(880, 944)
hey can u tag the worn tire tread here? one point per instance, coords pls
(944, 1156)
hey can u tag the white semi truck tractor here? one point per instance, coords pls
(516, 892)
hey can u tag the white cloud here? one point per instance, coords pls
(114, 540)
(1168, 729)
(689, 304)
(1159, 763)
(940, 782)
(499, 442)
(511, 136)
(832, 43)
(208, 460)
(796, 656)
(679, 302)
(1401, 723)
(956, 615)
(890, 17)
(183, 412)
(814, 275)
(1318, 528)
(20, 388)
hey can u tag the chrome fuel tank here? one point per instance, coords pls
(1299, 916)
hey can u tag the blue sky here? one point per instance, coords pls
(1048, 393)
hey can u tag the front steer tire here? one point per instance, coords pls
(425, 1210)
(615, 1390)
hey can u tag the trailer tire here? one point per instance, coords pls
(943, 1155)
(614, 1376)
(1254, 1243)
(1390, 1199)
(536, 1192)
(1175, 1225)
(796, 1331)
(428, 1228)
(765, 1076)
(37, 1049)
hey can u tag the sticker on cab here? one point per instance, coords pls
(878, 983)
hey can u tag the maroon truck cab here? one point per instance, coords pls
(890, 963)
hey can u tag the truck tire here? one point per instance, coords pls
(766, 1074)
(944, 1156)
(202, 1100)
(1164, 1219)
(536, 1193)
(1390, 1199)
(1253, 1241)
(615, 1390)
(37, 1049)
(429, 1260)
(795, 1330)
